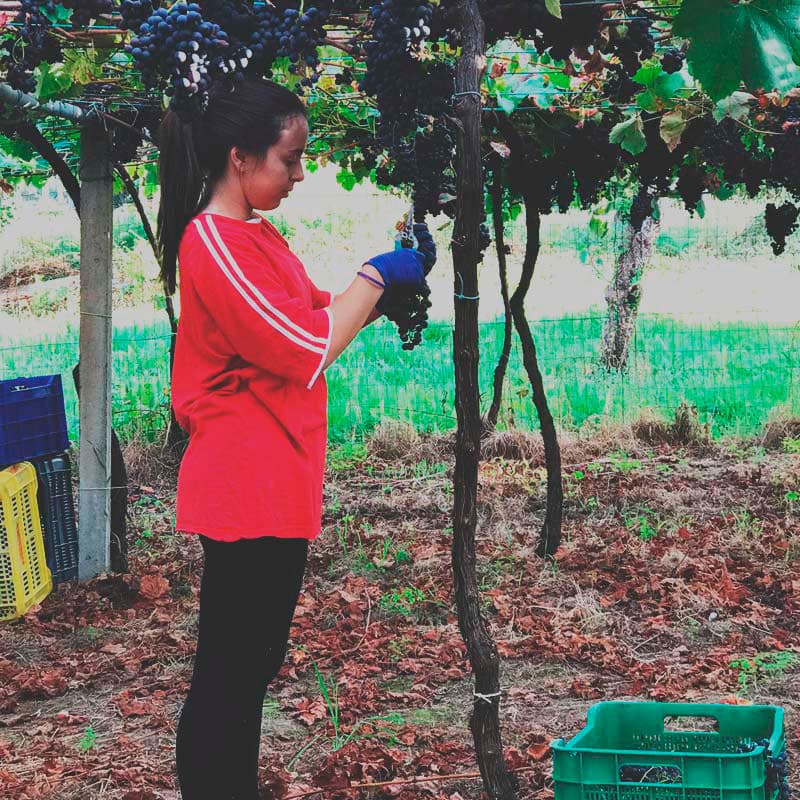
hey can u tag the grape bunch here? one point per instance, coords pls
(578, 27)
(672, 60)
(236, 17)
(345, 77)
(781, 222)
(777, 768)
(579, 169)
(84, 11)
(723, 147)
(435, 150)
(299, 35)
(690, 186)
(637, 44)
(37, 45)
(408, 309)
(126, 141)
(179, 43)
(136, 12)
(619, 87)
(399, 29)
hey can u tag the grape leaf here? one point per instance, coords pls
(554, 7)
(672, 126)
(346, 179)
(52, 81)
(58, 15)
(647, 74)
(737, 106)
(629, 135)
(755, 43)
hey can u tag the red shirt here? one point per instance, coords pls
(248, 385)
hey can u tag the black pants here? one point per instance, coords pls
(248, 595)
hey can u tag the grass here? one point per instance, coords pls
(735, 375)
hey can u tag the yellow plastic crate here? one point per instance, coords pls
(25, 579)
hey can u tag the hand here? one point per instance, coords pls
(400, 268)
(425, 245)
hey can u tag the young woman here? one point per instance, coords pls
(248, 385)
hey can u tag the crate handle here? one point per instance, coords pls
(677, 717)
(650, 773)
(19, 387)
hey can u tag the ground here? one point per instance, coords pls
(675, 581)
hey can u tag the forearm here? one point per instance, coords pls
(352, 310)
(374, 314)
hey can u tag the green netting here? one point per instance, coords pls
(736, 375)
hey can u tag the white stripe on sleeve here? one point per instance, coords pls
(251, 301)
(254, 289)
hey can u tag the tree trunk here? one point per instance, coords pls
(500, 784)
(550, 537)
(499, 238)
(119, 495)
(624, 293)
(524, 182)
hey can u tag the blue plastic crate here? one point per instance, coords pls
(57, 513)
(33, 422)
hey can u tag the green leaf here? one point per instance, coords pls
(629, 135)
(737, 106)
(58, 15)
(756, 43)
(507, 103)
(648, 74)
(656, 210)
(16, 149)
(554, 7)
(701, 209)
(725, 191)
(647, 100)
(598, 226)
(346, 179)
(51, 81)
(669, 86)
(560, 80)
(150, 178)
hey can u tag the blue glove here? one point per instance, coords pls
(400, 268)
(425, 245)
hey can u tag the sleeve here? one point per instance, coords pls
(319, 297)
(253, 310)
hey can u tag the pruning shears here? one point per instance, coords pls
(405, 237)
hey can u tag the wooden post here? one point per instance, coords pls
(97, 183)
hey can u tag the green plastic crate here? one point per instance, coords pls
(625, 753)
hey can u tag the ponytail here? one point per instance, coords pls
(181, 182)
(194, 154)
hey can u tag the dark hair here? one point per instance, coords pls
(194, 155)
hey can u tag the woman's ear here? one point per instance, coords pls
(238, 159)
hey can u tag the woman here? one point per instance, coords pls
(254, 339)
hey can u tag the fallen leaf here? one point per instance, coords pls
(538, 752)
(153, 586)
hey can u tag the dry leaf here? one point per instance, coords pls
(153, 586)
